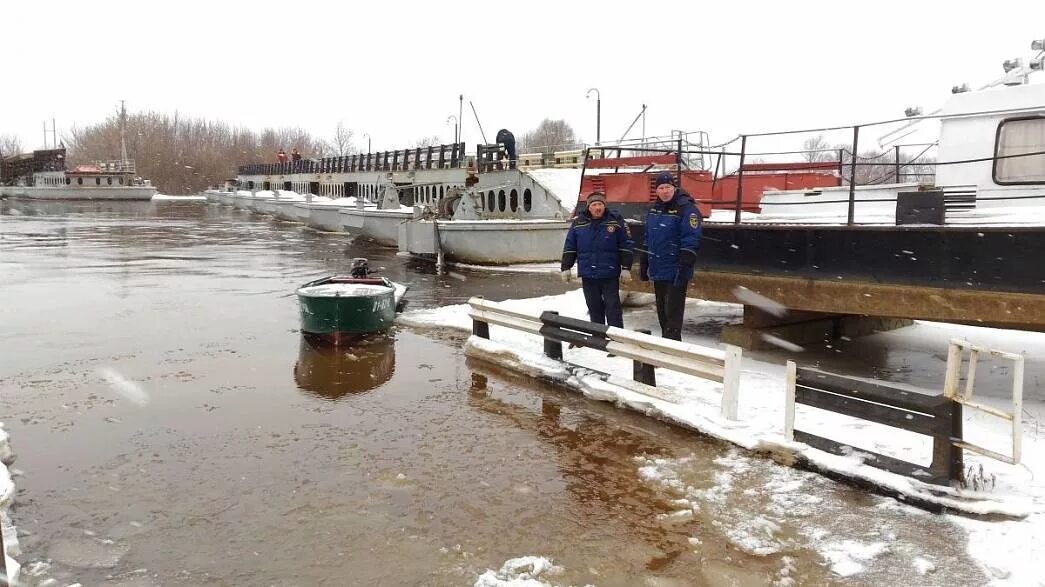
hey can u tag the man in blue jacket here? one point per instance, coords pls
(673, 226)
(600, 243)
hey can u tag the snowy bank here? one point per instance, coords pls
(7, 494)
(1018, 492)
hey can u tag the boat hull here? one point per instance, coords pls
(486, 242)
(380, 226)
(340, 319)
(79, 193)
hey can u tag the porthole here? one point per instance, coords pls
(500, 201)
(527, 200)
(513, 200)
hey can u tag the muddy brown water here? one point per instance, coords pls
(259, 458)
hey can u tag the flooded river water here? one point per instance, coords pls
(173, 427)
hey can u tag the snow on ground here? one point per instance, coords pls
(517, 268)
(178, 198)
(886, 216)
(1018, 492)
(7, 493)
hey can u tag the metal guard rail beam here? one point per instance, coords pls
(647, 351)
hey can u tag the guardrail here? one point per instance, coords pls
(932, 415)
(645, 350)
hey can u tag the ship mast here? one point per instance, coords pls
(123, 134)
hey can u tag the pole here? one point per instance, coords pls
(460, 121)
(740, 180)
(643, 125)
(896, 164)
(45, 135)
(852, 178)
(598, 120)
(481, 133)
(598, 113)
(54, 134)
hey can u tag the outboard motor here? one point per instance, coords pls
(506, 138)
(360, 268)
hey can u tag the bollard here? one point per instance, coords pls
(642, 372)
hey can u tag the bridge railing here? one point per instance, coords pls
(449, 156)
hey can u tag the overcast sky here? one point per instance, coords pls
(394, 69)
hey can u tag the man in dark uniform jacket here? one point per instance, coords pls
(600, 243)
(673, 227)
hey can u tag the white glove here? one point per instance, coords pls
(566, 276)
(625, 275)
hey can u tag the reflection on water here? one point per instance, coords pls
(331, 372)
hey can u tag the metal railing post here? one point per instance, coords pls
(553, 349)
(643, 372)
(896, 163)
(852, 178)
(740, 180)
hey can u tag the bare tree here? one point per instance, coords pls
(550, 135)
(431, 141)
(10, 145)
(183, 155)
(341, 144)
(816, 149)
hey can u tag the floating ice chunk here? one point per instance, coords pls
(760, 301)
(130, 390)
(784, 344)
(524, 571)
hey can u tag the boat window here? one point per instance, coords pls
(68, 180)
(513, 200)
(121, 181)
(79, 181)
(500, 201)
(490, 206)
(1017, 136)
(527, 200)
(97, 181)
(108, 180)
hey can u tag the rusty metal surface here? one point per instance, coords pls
(849, 296)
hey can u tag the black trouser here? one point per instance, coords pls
(603, 299)
(671, 303)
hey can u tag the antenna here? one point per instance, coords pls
(123, 134)
(477, 122)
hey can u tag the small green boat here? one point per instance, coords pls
(340, 309)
